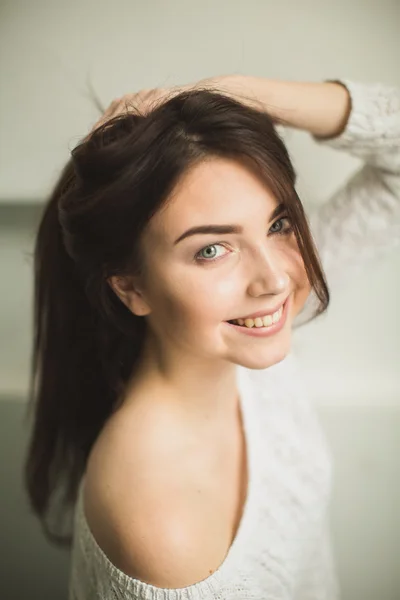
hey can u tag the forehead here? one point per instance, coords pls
(215, 191)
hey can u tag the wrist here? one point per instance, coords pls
(321, 108)
(341, 105)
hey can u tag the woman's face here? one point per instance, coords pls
(195, 285)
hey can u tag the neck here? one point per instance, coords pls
(205, 390)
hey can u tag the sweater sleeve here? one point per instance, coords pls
(361, 221)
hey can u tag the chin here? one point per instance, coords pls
(262, 360)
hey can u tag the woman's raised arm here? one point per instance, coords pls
(361, 221)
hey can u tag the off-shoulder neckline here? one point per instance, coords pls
(236, 553)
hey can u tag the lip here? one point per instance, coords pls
(261, 313)
(262, 331)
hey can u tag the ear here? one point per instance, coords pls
(127, 291)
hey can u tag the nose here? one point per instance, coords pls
(268, 274)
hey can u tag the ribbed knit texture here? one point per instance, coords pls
(283, 550)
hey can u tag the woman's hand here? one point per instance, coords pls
(142, 101)
(147, 99)
(321, 109)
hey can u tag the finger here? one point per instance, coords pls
(114, 108)
(110, 112)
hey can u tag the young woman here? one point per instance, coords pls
(172, 261)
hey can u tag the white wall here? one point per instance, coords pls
(48, 51)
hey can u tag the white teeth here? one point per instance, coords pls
(266, 321)
(276, 316)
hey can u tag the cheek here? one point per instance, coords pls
(206, 300)
(301, 285)
(300, 297)
(188, 302)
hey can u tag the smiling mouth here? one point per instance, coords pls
(260, 322)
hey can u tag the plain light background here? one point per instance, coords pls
(49, 51)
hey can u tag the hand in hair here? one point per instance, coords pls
(145, 100)
(141, 101)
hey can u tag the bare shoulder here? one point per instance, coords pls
(144, 507)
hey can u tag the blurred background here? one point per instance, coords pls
(50, 51)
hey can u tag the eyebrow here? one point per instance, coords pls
(224, 229)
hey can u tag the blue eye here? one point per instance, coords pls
(207, 257)
(210, 257)
(282, 231)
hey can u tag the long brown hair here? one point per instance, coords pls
(86, 342)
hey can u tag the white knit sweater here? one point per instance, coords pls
(282, 549)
